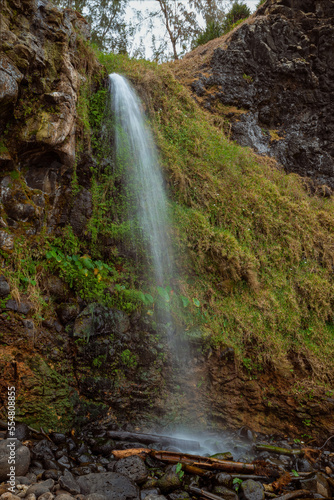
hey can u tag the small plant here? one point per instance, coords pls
(179, 471)
(236, 483)
(128, 359)
(307, 422)
(247, 78)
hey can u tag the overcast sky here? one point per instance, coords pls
(142, 31)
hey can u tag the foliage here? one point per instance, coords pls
(254, 247)
(109, 29)
(261, 2)
(88, 277)
(216, 28)
(212, 30)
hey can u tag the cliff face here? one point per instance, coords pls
(272, 77)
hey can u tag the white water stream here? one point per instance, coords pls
(136, 153)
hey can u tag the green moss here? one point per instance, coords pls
(47, 399)
(252, 245)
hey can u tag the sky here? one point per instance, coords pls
(141, 37)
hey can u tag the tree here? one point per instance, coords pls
(237, 12)
(221, 23)
(109, 30)
(180, 21)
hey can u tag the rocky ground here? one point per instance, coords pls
(95, 466)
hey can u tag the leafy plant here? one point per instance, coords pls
(236, 483)
(179, 471)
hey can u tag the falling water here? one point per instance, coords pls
(137, 154)
(137, 158)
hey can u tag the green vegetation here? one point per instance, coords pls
(253, 246)
(215, 29)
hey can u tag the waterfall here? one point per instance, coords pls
(137, 160)
(137, 155)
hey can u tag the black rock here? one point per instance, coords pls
(224, 479)
(114, 486)
(251, 490)
(68, 483)
(58, 438)
(40, 488)
(42, 450)
(132, 467)
(21, 432)
(4, 287)
(103, 447)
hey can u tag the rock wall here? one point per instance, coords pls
(272, 78)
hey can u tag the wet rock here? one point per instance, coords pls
(251, 490)
(21, 432)
(224, 479)
(40, 488)
(169, 481)
(317, 484)
(68, 483)
(103, 447)
(4, 287)
(50, 464)
(67, 312)
(303, 465)
(64, 462)
(42, 450)
(22, 458)
(132, 467)
(52, 474)
(225, 493)
(99, 320)
(81, 212)
(114, 486)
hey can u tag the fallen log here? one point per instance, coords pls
(278, 450)
(141, 452)
(202, 462)
(134, 437)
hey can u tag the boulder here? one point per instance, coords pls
(132, 467)
(251, 490)
(22, 458)
(39, 488)
(169, 481)
(110, 484)
(68, 483)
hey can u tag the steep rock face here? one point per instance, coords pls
(272, 77)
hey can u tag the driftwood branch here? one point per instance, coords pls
(278, 450)
(202, 462)
(203, 493)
